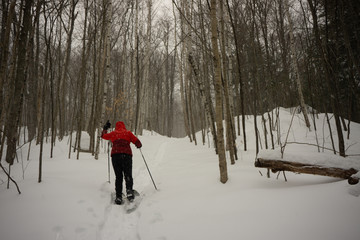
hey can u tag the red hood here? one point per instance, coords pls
(120, 126)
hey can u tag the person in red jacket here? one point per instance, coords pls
(121, 156)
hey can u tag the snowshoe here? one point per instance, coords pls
(132, 205)
(119, 200)
(130, 195)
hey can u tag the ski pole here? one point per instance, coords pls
(108, 162)
(148, 169)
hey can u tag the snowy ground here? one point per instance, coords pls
(73, 201)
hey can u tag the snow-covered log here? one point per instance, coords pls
(354, 179)
(279, 165)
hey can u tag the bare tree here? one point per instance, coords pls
(82, 79)
(104, 71)
(328, 77)
(218, 94)
(238, 60)
(295, 66)
(19, 81)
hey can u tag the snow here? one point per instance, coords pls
(73, 200)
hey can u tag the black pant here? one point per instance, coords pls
(122, 164)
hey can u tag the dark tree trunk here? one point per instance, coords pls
(13, 119)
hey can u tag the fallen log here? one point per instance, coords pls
(280, 165)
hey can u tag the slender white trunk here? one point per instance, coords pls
(218, 94)
(105, 73)
(296, 68)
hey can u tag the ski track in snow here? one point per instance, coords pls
(116, 223)
(119, 225)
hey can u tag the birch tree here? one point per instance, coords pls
(104, 71)
(218, 93)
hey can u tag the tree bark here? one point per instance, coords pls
(82, 82)
(136, 68)
(241, 84)
(65, 67)
(218, 94)
(104, 73)
(7, 16)
(12, 122)
(183, 88)
(204, 99)
(230, 136)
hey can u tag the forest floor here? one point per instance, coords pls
(73, 201)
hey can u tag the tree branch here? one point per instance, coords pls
(10, 178)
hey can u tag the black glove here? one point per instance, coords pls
(107, 125)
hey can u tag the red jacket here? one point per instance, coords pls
(121, 139)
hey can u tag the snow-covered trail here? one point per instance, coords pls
(117, 223)
(167, 158)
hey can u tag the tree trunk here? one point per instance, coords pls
(104, 73)
(136, 69)
(82, 82)
(284, 80)
(328, 77)
(147, 67)
(188, 75)
(41, 127)
(238, 60)
(218, 94)
(12, 122)
(230, 136)
(7, 16)
(183, 88)
(65, 67)
(204, 99)
(296, 68)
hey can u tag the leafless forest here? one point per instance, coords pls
(67, 66)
